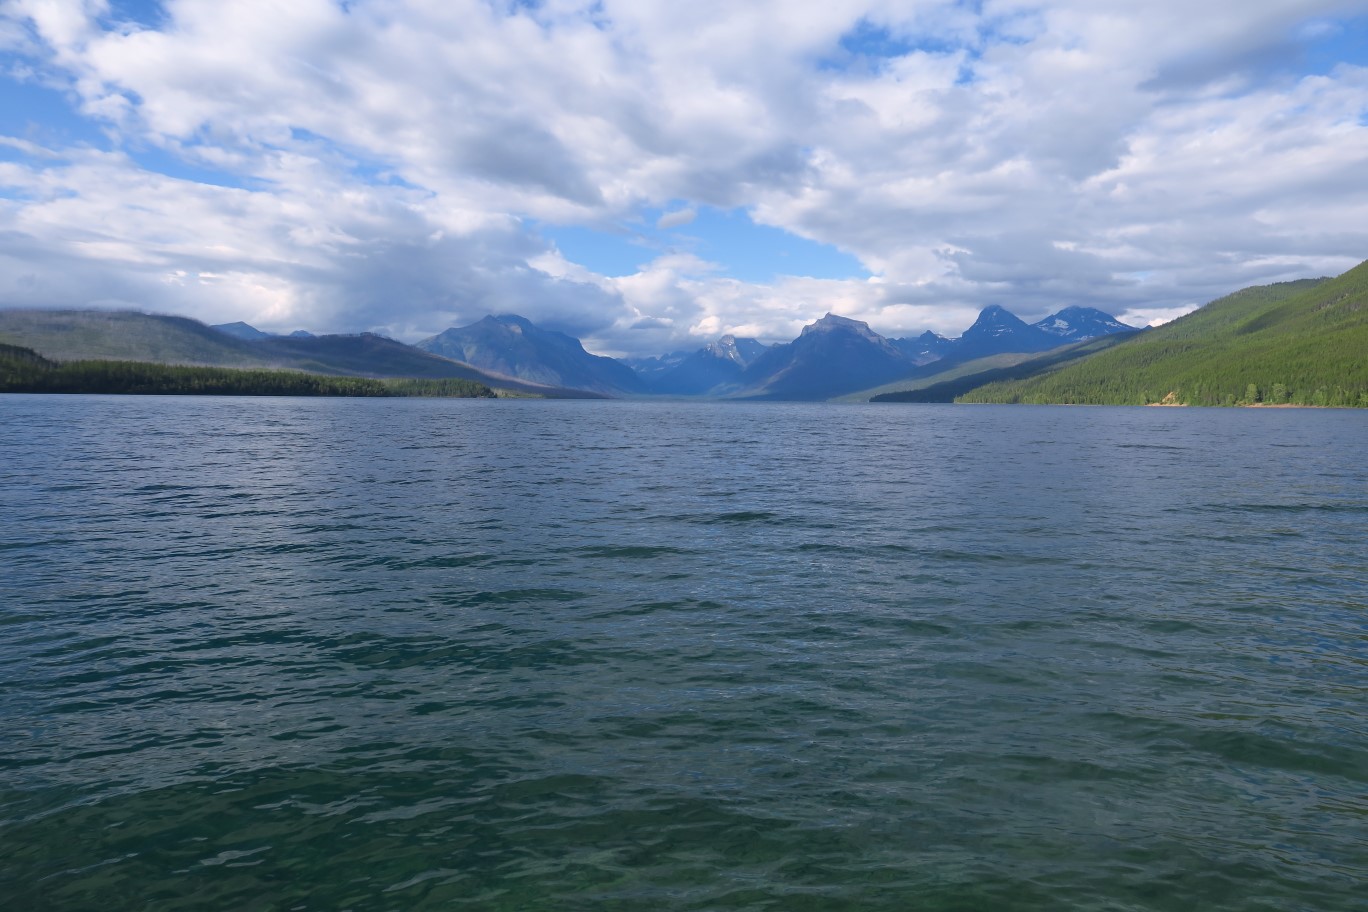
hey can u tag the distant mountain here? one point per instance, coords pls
(24, 371)
(1302, 343)
(516, 347)
(241, 330)
(649, 369)
(371, 355)
(837, 356)
(716, 368)
(1078, 324)
(247, 331)
(996, 331)
(960, 378)
(740, 350)
(84, 335)
(924, 349)
(365, 355)
(832, 356)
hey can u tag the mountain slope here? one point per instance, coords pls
(924, 349)
(24, 371)
(930, 376)
(364, 354)
(88, 335)
(240, 330)
(997, 331)
(84, 335)
(1300, 342)
(516, 347)
(1077, 324)
(969, 375)
(715, 368)
(652, 369)
(832, 356)
(247, 331)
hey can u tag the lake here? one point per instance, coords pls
(328, 654)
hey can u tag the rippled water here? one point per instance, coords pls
(410, 654)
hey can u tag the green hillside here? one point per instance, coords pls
(92, 335)
(953, 372)
(24, 371)
(945, 386)
(88, 335)
(1294, 343)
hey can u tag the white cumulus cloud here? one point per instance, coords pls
(381, 164)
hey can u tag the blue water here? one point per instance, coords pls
(336, 654)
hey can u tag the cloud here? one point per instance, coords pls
(379, 164)
(676, 219)
(96, 229)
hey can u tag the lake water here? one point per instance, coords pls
(517, 655)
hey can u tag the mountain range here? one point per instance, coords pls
(247, 331)
(514, 346)
(1292, 343)
(836, 356)
(84, 335)
(833, 356)
(715, 368)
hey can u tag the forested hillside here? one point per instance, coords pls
(24, 371)
(1295, 343)
(944, 387)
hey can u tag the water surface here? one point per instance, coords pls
(414, 654)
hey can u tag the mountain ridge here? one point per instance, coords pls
(514, 346)
(1291, 343)
(714, 369)
(99, 335)
(831, 356)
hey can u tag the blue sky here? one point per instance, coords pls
(739, 247)
(44, 114)
(650, 175)
(1331, 42)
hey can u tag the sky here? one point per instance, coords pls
(649, 174)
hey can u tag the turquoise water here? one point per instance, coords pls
(409, 654)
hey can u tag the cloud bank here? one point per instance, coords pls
(384, 164)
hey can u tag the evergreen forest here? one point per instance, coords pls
(1294, 343)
